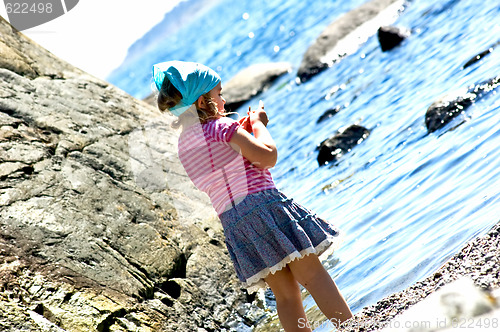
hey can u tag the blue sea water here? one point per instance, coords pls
(405, 199)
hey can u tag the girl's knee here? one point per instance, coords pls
(307, 269)
(283, 285)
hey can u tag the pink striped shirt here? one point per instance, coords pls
(216, 168)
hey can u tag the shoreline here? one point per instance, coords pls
(478, 260)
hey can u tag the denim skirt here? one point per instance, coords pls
(267, 230)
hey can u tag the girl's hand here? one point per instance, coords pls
(245, 123)
(258, 116)
(258, 148)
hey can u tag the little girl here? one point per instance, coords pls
(271, 239)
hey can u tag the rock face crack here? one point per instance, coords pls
(139, 273)
(104, 326)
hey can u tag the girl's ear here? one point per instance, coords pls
(201, 102)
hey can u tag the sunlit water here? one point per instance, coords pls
(406, 200)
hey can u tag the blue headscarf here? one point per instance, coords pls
(190, 78)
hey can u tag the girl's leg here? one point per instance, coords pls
(288, 300)
(311, 274)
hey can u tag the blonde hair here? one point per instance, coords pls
(169, 96)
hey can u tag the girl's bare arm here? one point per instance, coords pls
(260, 148)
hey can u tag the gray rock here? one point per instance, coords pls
(448, 107)
(481, 55)
(391, 36)
(251, 81)
(100, 227)
(329, 113)
(334, 147)
(456, 302)
(344, 35)
(20, 57)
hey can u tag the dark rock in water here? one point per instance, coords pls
(446, 108)
(94, 236)
(477, 57)
(251, 81)
(328, 114)
(391, 36)
(334, 147)
(342, 37)
(481, 55)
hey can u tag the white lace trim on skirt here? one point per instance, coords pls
(323, 250)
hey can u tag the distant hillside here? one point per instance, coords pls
(182, 14)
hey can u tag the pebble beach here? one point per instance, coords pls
(478, 260)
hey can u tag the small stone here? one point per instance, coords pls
(489, 256)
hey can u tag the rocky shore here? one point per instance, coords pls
(94, 233)
(479, 261)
